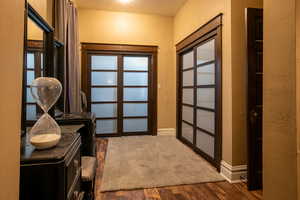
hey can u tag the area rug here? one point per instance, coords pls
(153, 161)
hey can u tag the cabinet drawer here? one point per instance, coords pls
(73, 170)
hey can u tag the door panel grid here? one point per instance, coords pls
(120, 98)
(199, 95)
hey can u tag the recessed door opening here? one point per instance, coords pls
(199, 101)
(121, 90)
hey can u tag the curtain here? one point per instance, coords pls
(66, 30)
(73, 63)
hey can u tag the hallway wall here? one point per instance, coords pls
(11, 62)
(298, 88)
(279, 123)
(141, 29)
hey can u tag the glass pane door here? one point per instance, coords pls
(206, 90)
(135, 94)
(104, 93)
(199, 92)
(188, 94)
(119, 93)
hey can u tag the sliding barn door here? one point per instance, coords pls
(199, 96)
(120, 88)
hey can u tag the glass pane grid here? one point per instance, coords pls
(135, 125)
(188, 78)
(104, 110)
(205, 143)
(106, 126)
(104, 91)
(30, 61)
(30, 77)
(188, 96)
(187, 132)
(206, 120)
(206, 75)
(136, 63)
(206, 98)
(188, 60)
(135, 79)
(134, 110)
(30, 112)
(206, 52)
(104, 94)
(104, 78)
(135, 94)
(188, 114)
(104, 62)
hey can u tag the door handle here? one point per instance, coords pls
(253, 116)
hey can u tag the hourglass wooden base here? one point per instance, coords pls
(45, 141)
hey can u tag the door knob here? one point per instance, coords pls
(253, 116)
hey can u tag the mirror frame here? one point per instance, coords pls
(48, 54)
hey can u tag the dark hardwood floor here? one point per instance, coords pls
(206, 191)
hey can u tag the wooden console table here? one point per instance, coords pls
(53, 174)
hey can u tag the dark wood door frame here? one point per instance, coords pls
(123, 50)
(254, 30)
(211, 30)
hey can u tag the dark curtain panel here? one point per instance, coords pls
(66, 30)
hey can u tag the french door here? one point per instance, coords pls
(199, 96)
(121, 93)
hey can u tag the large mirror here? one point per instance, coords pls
(35, 52)
(44, 8)
(38, 61)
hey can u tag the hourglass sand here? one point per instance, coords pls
(45, 133)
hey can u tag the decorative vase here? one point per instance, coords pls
(45, 133)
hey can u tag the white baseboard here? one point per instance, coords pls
(233, 173)
(167, 131)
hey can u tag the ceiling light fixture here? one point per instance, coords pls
(125, 1)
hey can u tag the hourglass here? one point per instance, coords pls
(45, 133)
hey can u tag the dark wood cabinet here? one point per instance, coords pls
(53, 174)
(87, 132)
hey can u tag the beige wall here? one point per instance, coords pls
(279, 123)
(11, 55)
(130, 28)
(33, 31)
(44, 8)
(197, 13)
(239, 78)
(298, 87)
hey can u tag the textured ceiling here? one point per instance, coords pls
(160, 7)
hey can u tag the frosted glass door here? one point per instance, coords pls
(104, 93)
(188, 76)
(199, 103)
(198, 97)
(135, 94)
(205, 94)
(119, 93)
